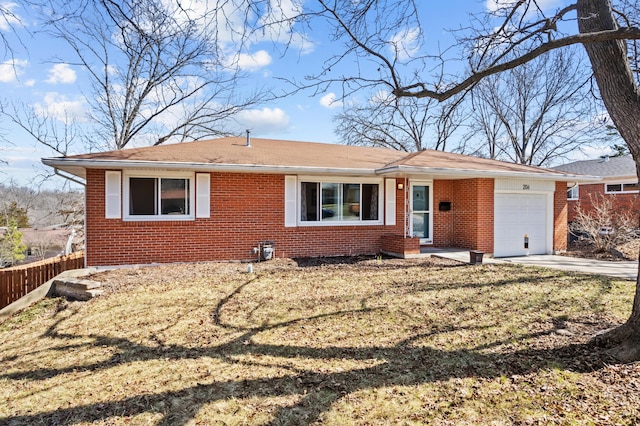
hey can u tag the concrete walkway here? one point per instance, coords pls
(624, 269)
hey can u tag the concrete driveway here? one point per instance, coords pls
(626, 269)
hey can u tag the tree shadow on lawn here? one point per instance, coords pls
(404, 364)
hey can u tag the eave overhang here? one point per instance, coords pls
(447, 173)
(77, 167)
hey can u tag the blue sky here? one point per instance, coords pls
(40, 74)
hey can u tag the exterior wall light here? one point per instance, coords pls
(400, 186)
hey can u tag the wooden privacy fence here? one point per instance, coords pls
(17, 281)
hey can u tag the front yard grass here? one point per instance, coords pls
(358, 342)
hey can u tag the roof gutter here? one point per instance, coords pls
(62, 163)
(405, 170)
(248, 168)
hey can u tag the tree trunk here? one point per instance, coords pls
(621, 97)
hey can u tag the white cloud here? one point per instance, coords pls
(381, 97)
(263, 121)
(8, 17)
(11, 69)
(253, 62)
(494, 5)
(406, 43)
(278, 23)
(329, 101)
(233, 22)
(61, 73)
(59, 107)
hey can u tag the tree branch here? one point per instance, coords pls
(419, 90)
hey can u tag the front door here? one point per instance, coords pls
(421, 220)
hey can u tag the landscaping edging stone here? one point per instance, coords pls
(46, 289)
(77, 288)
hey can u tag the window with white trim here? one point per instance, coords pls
(343, 202)
(169, 196)
(572, 193)
(617, 188)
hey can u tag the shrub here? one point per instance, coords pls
(11, 246)
(603, 225)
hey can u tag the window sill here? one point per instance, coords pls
(342, 223)
(621, 192)
(167, 218)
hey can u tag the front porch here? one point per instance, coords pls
(410, 248)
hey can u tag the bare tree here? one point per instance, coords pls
(405, 124)
(42, 246)
(63, 207)
(383, 39)
(16, 202)
(8, 21)
(157, 71)
(60, 134)
(603, 225)
(522, 26)
(537, 120)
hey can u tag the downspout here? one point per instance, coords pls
(406, 205)
(72, 179)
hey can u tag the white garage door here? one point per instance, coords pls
(517, 215)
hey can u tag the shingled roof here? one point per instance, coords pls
(607, 167)
(279, 156)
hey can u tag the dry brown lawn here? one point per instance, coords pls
(359, 342)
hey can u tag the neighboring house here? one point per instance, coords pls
(618, 182)
(46, 242)
(224, 199)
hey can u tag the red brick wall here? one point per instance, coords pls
(245, 209)
(249, 208)
(443, 221)
(588, 192)
(469, 223)
(398, 245)
(485, 189)
(560, 213)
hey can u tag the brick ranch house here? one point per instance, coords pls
(225, 198)
(618, 181)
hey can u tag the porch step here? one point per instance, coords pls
(77, 288)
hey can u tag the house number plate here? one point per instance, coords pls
(526, 187)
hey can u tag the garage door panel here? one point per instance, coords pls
(517, 215)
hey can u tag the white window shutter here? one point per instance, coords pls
(112, 198)
(203, 195)
(390, 202)
(290, 192)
